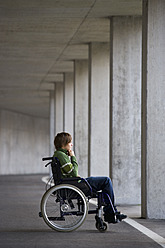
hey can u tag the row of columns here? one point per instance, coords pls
(100, 104)
(105, 123)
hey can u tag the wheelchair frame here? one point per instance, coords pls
(64, 206)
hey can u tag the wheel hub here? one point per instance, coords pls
(65, 207)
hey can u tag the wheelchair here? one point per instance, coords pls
(64, 206)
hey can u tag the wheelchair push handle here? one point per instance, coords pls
(47, 158)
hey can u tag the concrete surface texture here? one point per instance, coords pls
(99, 108)
(154, 134)
(22, 143)
(51, 122)
(126, 113)
(81, 96)
(21, 227)
(69, 103)
(59, 107)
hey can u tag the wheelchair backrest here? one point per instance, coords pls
(81, 183)
(56, 171)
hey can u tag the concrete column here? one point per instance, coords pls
(153, 110)
(81, 115)
(68, 103)
(99, 109)
(125, 35)
(59, 107)
(51, 122)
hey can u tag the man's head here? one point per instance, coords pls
(61, 140)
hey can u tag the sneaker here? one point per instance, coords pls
(120, 216)
(114, 218)
(110, 218)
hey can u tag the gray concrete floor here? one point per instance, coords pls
(20, 225)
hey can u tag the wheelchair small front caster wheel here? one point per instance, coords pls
(40, 214)
(101, 227)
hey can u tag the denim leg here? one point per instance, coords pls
(104, 184)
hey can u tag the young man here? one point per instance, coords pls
(69, 168)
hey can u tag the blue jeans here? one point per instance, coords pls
(104, 184)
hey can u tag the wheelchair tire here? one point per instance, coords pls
(64, 207)
(100, 227)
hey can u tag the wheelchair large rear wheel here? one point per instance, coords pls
(64, 207)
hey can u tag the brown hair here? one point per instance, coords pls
(62, 139)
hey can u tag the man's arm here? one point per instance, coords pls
(68, 168)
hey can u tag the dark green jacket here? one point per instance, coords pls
(69, 166)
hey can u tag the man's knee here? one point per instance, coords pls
(108, 180)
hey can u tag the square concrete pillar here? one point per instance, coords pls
(125, 40)
(99, 109)
(153, 110)
(59, 107)
(68, 103)
(51, 122)
(81, 115)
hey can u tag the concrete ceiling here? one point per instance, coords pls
(39, 39)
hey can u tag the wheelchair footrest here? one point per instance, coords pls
(93, 211)
(57, 218)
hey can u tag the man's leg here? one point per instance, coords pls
(104, 184)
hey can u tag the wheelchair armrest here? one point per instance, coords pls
(66, 179)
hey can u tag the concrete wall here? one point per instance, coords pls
(153, 173)
(24, 140)
(126, 108)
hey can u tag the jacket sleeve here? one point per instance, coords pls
(69, 168)
(75, 165)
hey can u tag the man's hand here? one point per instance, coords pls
(70, 153)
